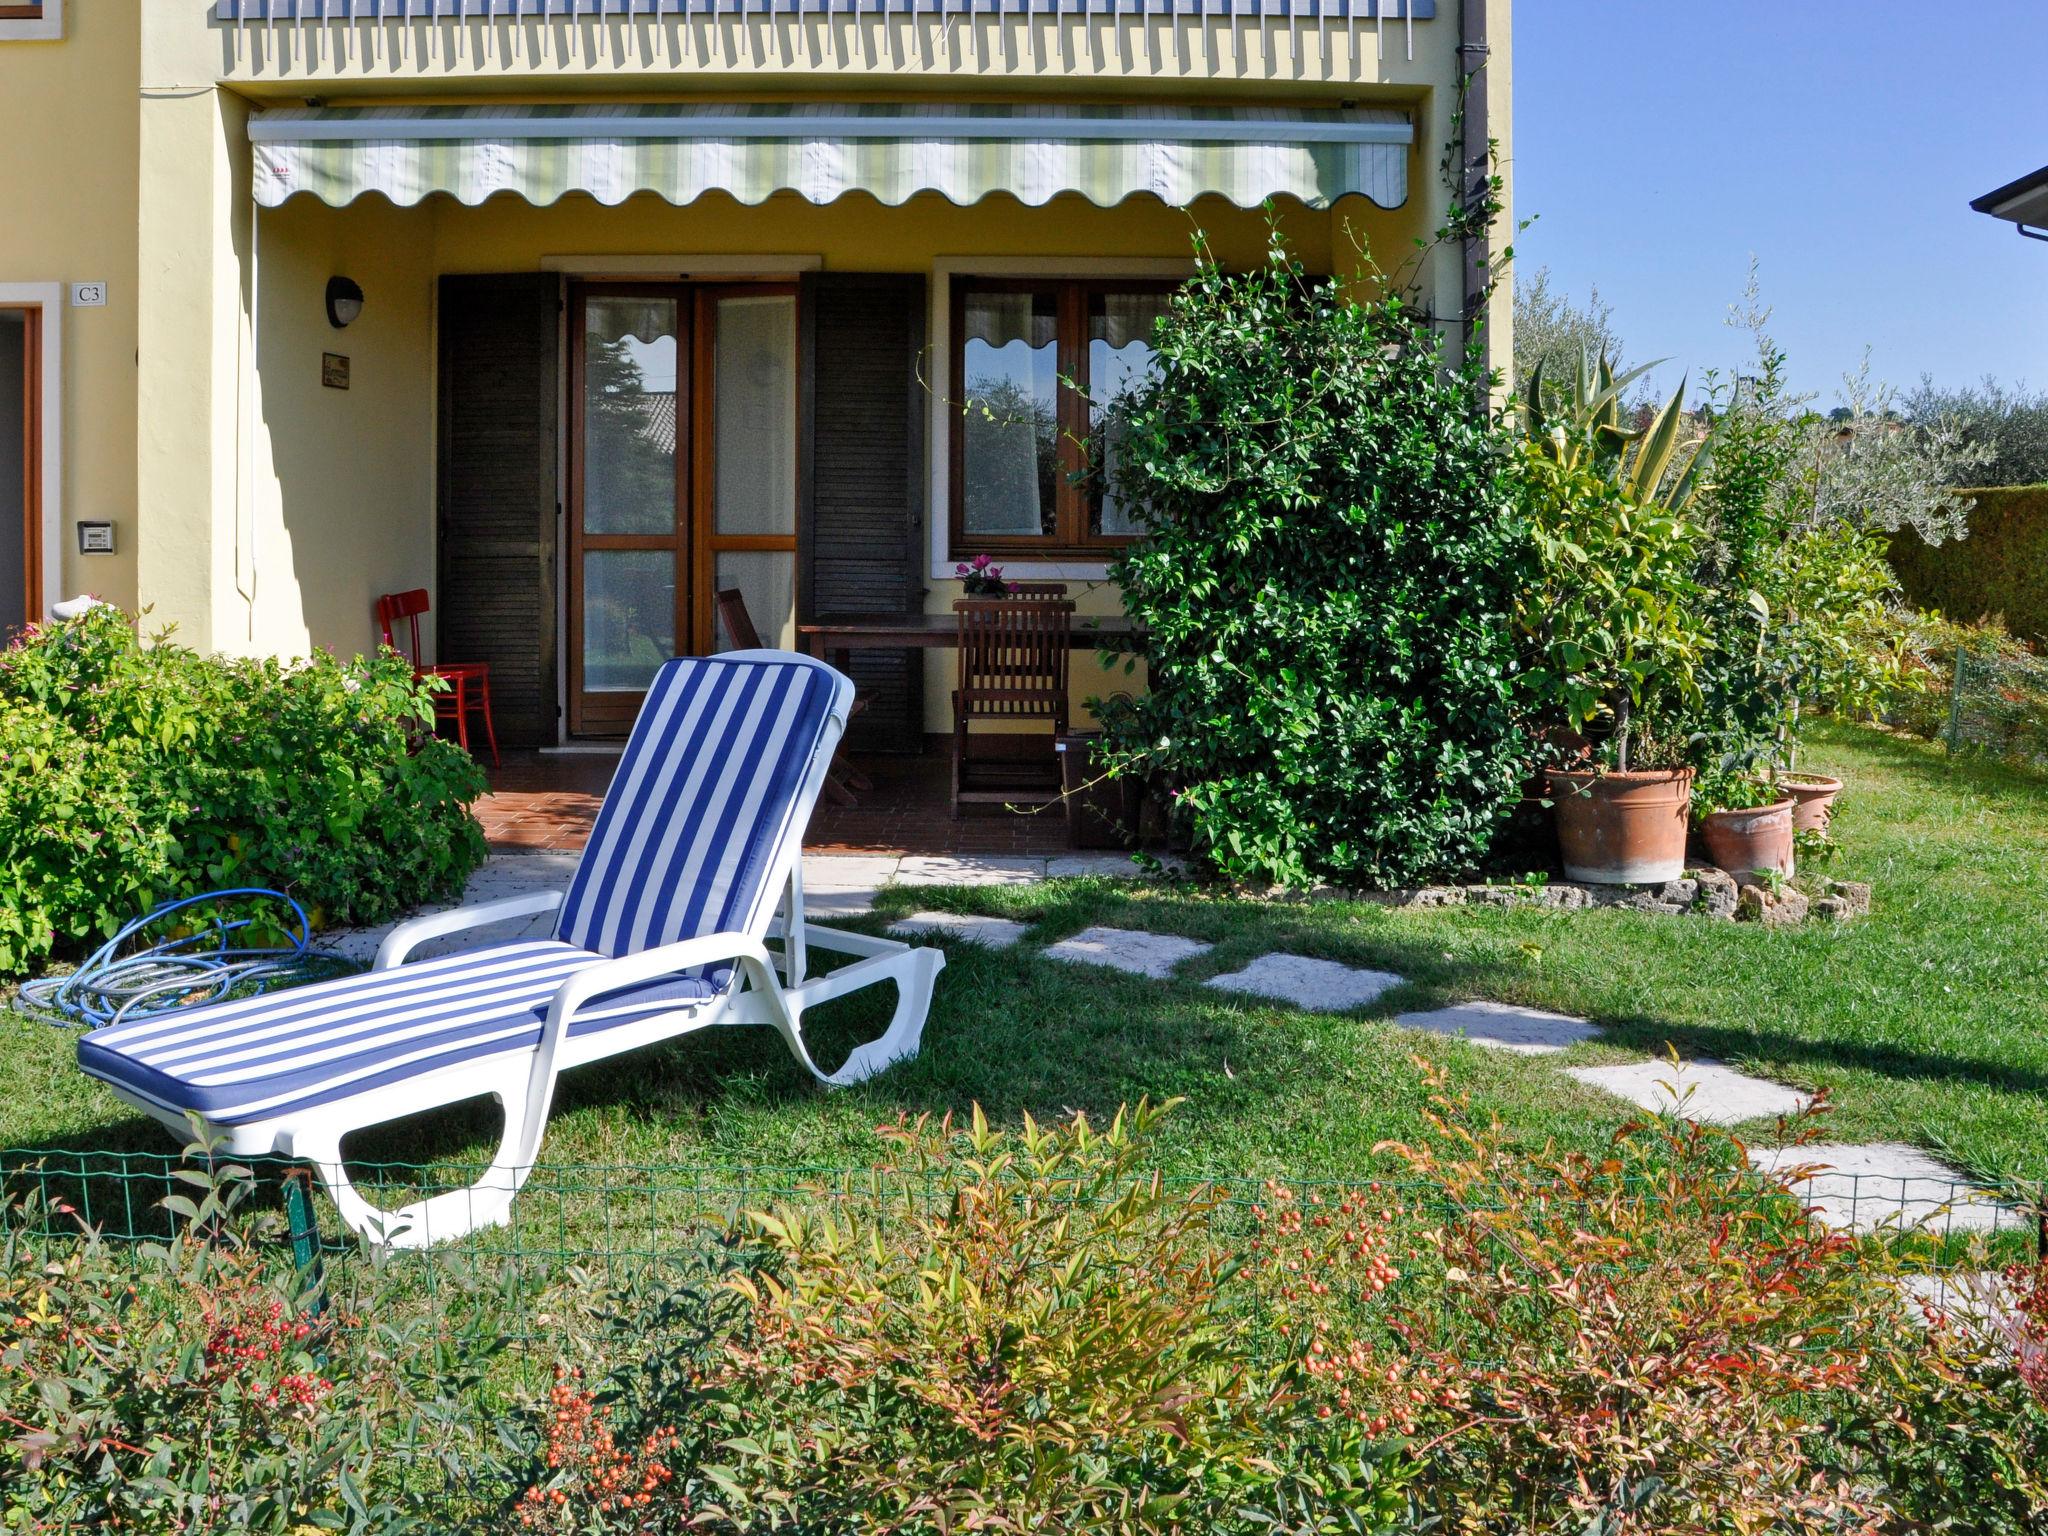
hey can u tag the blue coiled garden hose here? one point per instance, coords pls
(201, 965)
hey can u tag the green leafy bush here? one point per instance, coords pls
(1333, 553)
(1030, 1330)
(131, 773)
(192, 1386)
(1800, 603)
(1611, 624)
(1979, 689)
(1027, 1332)
(1641, 1341)
(2000, 571)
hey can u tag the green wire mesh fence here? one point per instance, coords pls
(1998, 704)
(600, 1227)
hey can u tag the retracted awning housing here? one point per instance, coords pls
(821, 152)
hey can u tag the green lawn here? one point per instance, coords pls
(1927, 1022)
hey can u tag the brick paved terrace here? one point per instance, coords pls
(545, 802)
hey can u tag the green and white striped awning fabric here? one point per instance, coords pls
(894, 152)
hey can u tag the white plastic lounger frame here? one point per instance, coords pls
(598, 951)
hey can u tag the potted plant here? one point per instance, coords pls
(1746, 823)
(1610, 634)
(982, 577)
(1813, 799)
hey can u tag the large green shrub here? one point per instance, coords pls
(131, 773)
(1999, 571)
(1334, 551)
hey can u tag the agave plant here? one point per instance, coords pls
(1651, 464)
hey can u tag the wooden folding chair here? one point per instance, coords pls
(1013, 670)
(843, 778)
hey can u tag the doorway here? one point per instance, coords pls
(21, 496)
(681, 480)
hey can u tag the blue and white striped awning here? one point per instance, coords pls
(821, 152)
(456, 10)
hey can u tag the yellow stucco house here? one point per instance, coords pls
(645, 298)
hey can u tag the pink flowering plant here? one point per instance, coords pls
(982, 577)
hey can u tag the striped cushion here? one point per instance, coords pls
(264, 1056)
(707, 789)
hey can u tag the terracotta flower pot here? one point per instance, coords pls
(1813, 799)
(1622, 828)
(1743, 842)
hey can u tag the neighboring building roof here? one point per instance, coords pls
(661, 421)
(2023, 202)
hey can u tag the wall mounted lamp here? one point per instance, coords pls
(344, 302)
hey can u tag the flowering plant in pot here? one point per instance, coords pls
(982, 577)
(1612, 645)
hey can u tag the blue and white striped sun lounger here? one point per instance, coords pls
(693, 868)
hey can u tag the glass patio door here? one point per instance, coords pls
(746, 519)
(629, 486)
(682, 481)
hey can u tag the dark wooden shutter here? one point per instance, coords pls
(861, 481)
(498, 493)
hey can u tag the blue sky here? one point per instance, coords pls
(1662, 142)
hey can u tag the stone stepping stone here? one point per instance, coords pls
(1704, 1091)
(1127, 949)
(1886, 1184)
(1321, 986)
(1969, 1293)
(1504, 1027)
(994, 932)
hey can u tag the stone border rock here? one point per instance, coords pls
(1703, 892)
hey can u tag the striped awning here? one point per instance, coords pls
(318, 12)
(821, 152)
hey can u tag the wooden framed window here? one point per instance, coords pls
(31, 20)
(1034, 362)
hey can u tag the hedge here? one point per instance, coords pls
(2001, 568)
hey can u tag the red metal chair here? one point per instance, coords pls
(469, 682)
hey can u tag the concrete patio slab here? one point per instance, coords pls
(1127, 949)
(836, 903)
(845, 885)
(499, 876)
(1705, 1091)
(969, 869)
(848, 871)
(1503, 1027)
(995, 932)
(1862, 1188)
(1321, 986)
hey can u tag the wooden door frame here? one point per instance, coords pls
(40, 306)
(706, 542)
(696, 541)
(616, 718)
